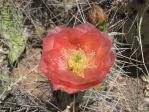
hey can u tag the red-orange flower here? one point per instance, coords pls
(76, 59)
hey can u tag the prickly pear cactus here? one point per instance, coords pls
(12, 30)
(13, 38)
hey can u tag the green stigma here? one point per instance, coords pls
(78, 57)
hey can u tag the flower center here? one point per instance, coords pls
(77, 62)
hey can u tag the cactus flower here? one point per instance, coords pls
(75, 59)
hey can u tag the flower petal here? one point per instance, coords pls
(57, 86)
(43, 66)
(48, 42)
(67, 38)
(93, 40)
(73, 35)
(108, 63)
(101, 72)
(62, 42)
(54, 59)
(68, 79)
(94, 73)
(103, 51)
(85, 27)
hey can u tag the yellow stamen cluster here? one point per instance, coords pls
(77, 62)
